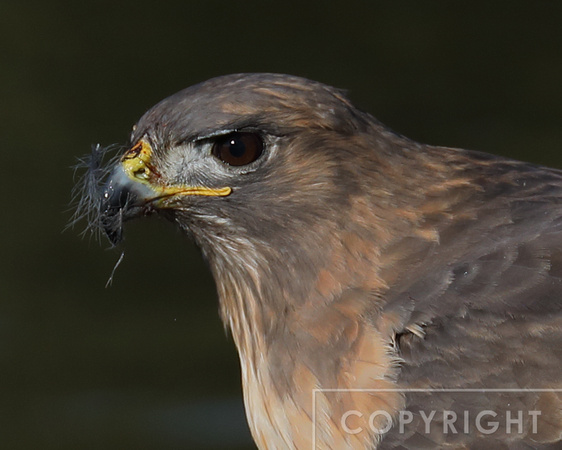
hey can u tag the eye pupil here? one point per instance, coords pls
(238, 149)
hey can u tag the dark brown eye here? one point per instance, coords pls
(238, 149)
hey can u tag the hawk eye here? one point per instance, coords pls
(238, 149)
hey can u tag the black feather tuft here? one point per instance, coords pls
(87, 194)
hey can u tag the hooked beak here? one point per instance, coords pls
(134, 188)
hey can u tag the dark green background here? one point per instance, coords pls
(145, 363)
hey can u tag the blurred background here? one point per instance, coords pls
(146, 364)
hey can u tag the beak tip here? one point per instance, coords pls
(117, 199)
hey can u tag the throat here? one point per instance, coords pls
(305, 367)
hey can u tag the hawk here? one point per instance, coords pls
(381, 293)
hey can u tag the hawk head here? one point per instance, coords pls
(238, 157)
(263, 170)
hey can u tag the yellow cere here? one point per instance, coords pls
(136, 164)
(137, 160)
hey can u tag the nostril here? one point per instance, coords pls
(142, 172)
